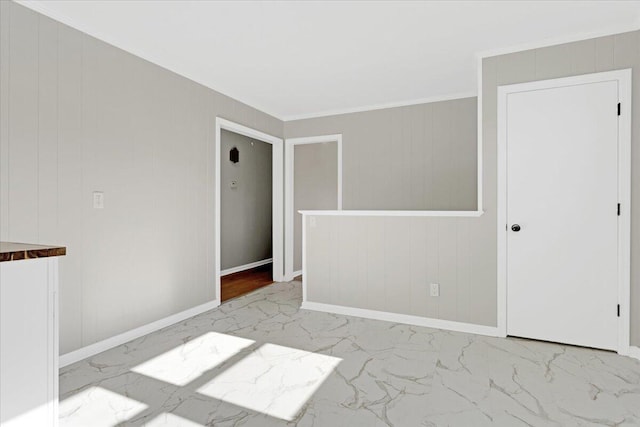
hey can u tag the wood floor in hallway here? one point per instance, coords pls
(243, 282)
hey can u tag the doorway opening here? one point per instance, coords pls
(249, 220)
(313, 182)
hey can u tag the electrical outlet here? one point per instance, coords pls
(98, 200)
(435, 290)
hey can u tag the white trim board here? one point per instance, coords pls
(289, 164)
(382, 106)
(427, 322)
(634, 352)
(479, 142)
(624, 191)
(109, 343)
(245, 267)
(471, 214)
(304, 259)
(277, 219)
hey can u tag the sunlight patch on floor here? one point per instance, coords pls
(189, 361)
(98, 407)
(273, 380)
(171, 420)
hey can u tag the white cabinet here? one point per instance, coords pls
(29, 342)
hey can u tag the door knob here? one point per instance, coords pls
(515, 227)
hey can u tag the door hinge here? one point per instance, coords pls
(618, 209)
(618, 108)
(618, 310)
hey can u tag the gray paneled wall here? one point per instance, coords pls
(387, 264)
(315, 176)
(453, 251)
(79, 115)
(420, 157)
(245, 216)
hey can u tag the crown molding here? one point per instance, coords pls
(381, 106)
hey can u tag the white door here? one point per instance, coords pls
(562, 200)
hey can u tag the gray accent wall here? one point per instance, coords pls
(78, 115)
(245, 216)
(419, 157)
(387, 263)
(315, 178)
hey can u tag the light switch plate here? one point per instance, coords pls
(98, 200)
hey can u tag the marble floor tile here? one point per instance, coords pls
(261, 361)
(189, 361)
(95, 406)
(273, 380)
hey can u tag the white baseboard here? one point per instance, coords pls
(99, 347)
(293, 275)
(245, 267)
(404, 318)
(634, 352)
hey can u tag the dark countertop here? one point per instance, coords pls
(16, 251)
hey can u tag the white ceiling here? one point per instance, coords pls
(295, 59)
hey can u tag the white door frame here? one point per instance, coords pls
(277, 195)
(290, 143)
(623, 77)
